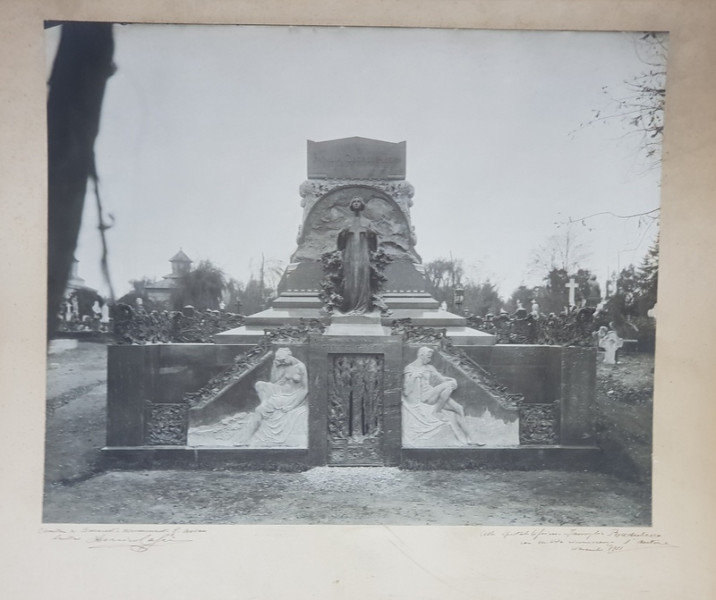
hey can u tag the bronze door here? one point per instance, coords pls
(355, 409)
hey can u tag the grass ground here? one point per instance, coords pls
(77, 490)
(625, 416)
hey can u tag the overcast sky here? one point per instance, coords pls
(202, 144)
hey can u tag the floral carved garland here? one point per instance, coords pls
(332, 282)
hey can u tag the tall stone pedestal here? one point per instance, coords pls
(339, 171)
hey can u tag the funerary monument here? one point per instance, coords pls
(354, 363)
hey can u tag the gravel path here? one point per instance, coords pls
(355, 495)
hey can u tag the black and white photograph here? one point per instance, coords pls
(351, 275)
(360, 299)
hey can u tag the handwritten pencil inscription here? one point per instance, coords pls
(135, 539)
(584, 539)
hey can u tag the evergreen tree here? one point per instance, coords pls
(648, 279)
(252, 297)
(482, 298)
(523, 295)
(201, 288)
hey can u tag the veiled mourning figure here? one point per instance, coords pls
(283, 410)
(356, 243)
(431, 417)
(279, 421)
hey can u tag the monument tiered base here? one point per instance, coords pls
(281, 315)
(353, 407)
(564, 458)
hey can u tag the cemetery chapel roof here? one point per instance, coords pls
(180, 257)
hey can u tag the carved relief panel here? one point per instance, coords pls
(355, 408)
(539, 424)
(166, 424)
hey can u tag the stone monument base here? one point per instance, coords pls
(368, 324)
(373, 323)
(354, 382)
(560, 458)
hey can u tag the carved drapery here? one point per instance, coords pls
(539, 423)
(248, 360)
(166, 424)
(437, 337)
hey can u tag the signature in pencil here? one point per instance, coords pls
(136, 543)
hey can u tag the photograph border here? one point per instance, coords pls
(378, 561)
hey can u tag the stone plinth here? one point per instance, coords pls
(520, 458)
(356, 325)
(256, 325)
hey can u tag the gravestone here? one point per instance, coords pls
(535, 309)
(572, 285)
(610, 342)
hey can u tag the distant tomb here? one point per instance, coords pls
(610, 342)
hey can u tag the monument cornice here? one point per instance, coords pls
(321, 187)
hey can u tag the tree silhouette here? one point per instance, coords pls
(201, 288)
(482, 298)
(641, 107)
(563, 250)
(442, 276)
